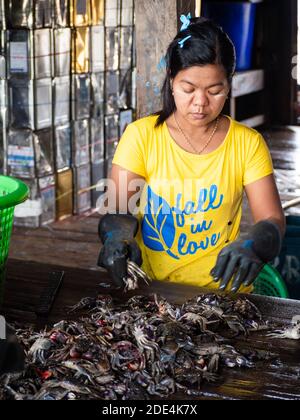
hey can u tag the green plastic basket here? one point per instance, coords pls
(12, 192)
(270, 283)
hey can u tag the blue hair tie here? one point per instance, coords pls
(186, 21)
(181, 43)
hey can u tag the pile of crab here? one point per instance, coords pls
(146, 348)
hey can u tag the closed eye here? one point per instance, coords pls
(215, 93)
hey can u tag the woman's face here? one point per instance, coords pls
(200, 93)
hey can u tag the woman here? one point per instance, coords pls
(196, 164)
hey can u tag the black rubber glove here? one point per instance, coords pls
(245, 259)
(117, 234)
(11, 353)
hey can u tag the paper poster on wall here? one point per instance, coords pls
(18, 57)
(20, 156)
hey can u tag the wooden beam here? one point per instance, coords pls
(156, 26)
(157, 22)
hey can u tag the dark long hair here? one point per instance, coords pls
(208, 44)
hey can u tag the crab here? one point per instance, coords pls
(134, 275)
(164, 387)
(235, 324)
(15, 395)
(165, 308)
(145, 343)
(85, 303)
(39, 349)
(121, 320)
(79, 371)
(195, 319)
(130, 284)
(126, 356)
(290, 333)
(233, 361)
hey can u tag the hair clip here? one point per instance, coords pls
(181, 43)
(186, 20)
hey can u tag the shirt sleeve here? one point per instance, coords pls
(258, 163)
(130, 153)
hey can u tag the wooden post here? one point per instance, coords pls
(157, 22)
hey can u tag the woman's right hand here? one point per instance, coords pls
(117, 234)
(114, 256)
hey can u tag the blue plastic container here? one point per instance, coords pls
(238, 21)
(288, 263)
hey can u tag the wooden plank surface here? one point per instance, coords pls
(73, 242)
(26, 280)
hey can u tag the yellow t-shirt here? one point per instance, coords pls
(191, 206)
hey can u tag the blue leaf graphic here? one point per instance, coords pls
(158, 227)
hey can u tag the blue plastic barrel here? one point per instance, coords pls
(238, 20)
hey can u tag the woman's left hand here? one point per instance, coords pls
(237, 261)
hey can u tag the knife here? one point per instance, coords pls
(49, 294)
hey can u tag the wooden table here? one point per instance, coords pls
(268, 380)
